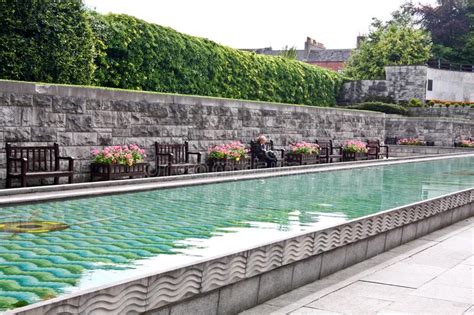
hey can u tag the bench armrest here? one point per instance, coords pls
(386, 150)
(196, 153)
(282, 152)
(24, 164)
(70, 160)
(338, 147)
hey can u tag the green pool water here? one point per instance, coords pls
(114, 237)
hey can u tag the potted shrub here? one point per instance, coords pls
(354, 150)
(303, 153)
(118, 161)
(228, 157)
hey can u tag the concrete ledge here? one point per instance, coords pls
(413, 150)
(277, 267)
(11, 197)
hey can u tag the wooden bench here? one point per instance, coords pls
(25, 162)
(171, 158)
(329, 152)
(257, 162)
(376, 150)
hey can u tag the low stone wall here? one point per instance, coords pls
(81, 119)
(462, 112)
(402, 83)
(235, 282)
(413, 150)
(442, 131)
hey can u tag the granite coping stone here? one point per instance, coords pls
(10, 197)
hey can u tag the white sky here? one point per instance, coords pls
(261, 23)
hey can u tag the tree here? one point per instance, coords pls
(396, 42)
(46, 40)
(450, 24)
(289, 52)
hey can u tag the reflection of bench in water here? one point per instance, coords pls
(25, 162)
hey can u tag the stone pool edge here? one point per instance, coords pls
(18, 196)
(234, 282)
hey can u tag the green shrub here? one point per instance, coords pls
(46, 40)
(381, 107)
(144, 56)
(430, 103)
(414, 102)
(378, 98)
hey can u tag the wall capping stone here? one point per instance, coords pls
(104, 93)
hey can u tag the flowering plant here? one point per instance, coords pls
(467, 143)
(304, 148)
(232, 151)
(126, 155)
(410, 141)
(354, 146)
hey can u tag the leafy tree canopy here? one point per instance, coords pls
(451, 25)
(396, 42)
(289, 52)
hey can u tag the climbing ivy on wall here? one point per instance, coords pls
(145, 56)
(62, 42)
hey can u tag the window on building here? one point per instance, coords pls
(430, 85)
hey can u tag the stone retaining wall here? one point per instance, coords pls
(402, 83)
(81, 119)
(463, 112)
(442, 131)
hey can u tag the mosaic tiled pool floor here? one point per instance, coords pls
(113, 237)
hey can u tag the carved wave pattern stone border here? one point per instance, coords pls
(171, 287)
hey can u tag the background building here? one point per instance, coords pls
(314, 53)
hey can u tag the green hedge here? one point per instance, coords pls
(144, 56)
(381, 107)
(61, 42)
(46, 40)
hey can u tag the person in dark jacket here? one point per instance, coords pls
(263, 153)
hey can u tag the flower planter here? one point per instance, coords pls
(354, 156)
(117, 171)
(223, 165)
(301, 159)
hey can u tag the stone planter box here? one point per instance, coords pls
(117, 171)
(352, 156)
(301, 159)
(224, 165)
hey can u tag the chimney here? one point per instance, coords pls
(311, 44)
(360, 40)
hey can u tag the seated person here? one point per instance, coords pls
(262, 152)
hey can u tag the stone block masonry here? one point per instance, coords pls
(81, 119)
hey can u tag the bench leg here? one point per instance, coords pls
(70, 178)
(56, 180)
(23, 181)
(8, 184)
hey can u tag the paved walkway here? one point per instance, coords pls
(430, 275)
